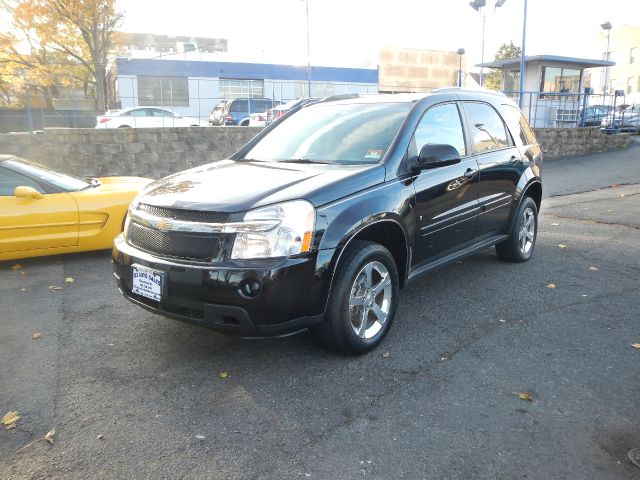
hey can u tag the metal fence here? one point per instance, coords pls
(613, 113)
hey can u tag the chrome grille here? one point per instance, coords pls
(185, 215)
(195, 246)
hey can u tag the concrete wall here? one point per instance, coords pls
(567, 142)
(157, 152)
(147, 152)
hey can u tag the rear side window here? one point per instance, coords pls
(239, 106)
(488, 132)
(441, 124)
(519, 125)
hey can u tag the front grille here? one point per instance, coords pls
(195, 246)
(185, 215)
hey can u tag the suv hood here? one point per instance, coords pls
(237, 186)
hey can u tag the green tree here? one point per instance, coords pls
(506, 51)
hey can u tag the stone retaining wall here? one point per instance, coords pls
(148, 152)
(157, 152)
(568, 142)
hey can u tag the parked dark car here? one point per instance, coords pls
(236, 112)
(323, 216)
(594, 114)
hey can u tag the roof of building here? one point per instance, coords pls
(241, 70)
(143, 41)
(580, 62)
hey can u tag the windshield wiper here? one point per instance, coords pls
(301, 160)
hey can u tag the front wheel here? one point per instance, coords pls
(518, 247)
(363, 301)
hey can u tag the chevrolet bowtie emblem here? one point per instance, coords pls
(163, 225)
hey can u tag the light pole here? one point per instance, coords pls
(524, 37)
(607, 27)
(460, 53)
(306, 2)
(478, 5)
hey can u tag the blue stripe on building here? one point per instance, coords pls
(245, 71)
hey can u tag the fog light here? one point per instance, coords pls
(249, 288)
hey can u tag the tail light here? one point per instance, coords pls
(279, 113)
(261, 118)
(104, 120)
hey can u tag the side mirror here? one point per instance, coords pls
(27, 192)
(435, 155)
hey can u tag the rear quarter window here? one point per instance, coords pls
(518, 125)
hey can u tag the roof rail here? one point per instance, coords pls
(468, 90)
(344, 96)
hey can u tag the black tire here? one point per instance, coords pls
(337, 329)
(124, 126)
(513, 249)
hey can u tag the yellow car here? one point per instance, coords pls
(43, 212)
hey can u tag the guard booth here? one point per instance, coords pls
(553, 87)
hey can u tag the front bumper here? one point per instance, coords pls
(248, 298)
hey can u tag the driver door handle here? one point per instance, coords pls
(470, 173)
(515, 159)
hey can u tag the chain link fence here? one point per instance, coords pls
(38, 108)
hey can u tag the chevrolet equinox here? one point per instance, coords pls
(326, 214)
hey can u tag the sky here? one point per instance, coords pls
(351, 32)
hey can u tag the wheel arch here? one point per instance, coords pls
(387, 232)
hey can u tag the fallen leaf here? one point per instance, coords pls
(100, 437)
(551, 285)
(385, 355)
(555, 224)
(561, 245)
(634, 345)
(48, 438)
(68, 280)
(23, 289)
(53, 287)
(10, 418)
(36, 335)
(223, 374)
(21, 273)
(593, 269)
(524, 396)
(15, 267)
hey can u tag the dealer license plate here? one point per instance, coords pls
(147, 282)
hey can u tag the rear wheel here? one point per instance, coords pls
(363, 301)
(519, 246)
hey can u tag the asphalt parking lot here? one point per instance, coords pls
(133, 395)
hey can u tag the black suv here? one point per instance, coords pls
(322, 217)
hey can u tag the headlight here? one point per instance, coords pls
(291, 234)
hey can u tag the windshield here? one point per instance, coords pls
(60, 180)
(334, 133)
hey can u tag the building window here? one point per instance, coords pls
(639, 84)
(511, 81)
(630, 85)
(234, 88)
(633, 54)
(560, 80)
(163, 91)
